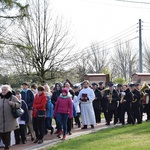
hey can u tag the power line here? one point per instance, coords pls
(109, 4)
(111, 40)
(91, 53)
(133, 2)
(117, 36)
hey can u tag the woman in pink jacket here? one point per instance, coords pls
(63, 110)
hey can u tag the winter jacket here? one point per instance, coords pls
(128, 97)
(39, 103)
(7, 121)
(25, 116)
(97, 100)
(115, 99)
(28, 97)
(49, 108)
(64, 106)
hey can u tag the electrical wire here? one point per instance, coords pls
(133, 2)
(100, 51)
(107, 42)
(117, 36)
(101, 3)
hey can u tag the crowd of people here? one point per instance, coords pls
(66, 104)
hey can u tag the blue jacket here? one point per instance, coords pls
(28, 97)
(25, 116)
(49, 108)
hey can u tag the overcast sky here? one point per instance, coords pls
(98, 20)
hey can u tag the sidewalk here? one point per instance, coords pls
(50, 140)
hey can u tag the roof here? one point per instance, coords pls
(95, 74)
(142, 74)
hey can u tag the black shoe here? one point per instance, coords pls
(40, 141)
(17, 143)
(85, 127)
(69, 133)
(52, 130)
(108, 124)
(36, 140)
(92, 126)
(32, 139)
(24, 142)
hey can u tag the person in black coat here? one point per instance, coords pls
(55, 95)
(126, 105)
(136, 104)
(97, 102)
(119, 91)
(112, 98)
(147, 106)
(23, 120)
(101, 87)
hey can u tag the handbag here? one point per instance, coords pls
(41, 113)
(16, 112)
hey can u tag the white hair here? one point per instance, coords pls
(7, 87)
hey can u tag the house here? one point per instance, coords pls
(95, 77)
(141, 78)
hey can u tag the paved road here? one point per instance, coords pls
(50, 140)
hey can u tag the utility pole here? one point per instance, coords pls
(140, 47)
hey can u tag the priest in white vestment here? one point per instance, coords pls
(86, 97)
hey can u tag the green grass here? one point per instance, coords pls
(119, 138)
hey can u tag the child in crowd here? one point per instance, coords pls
(49, 111)
(77, 108)
(23, 120)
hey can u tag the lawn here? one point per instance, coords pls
(119, 138)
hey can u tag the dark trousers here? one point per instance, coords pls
(129, 114)
(39, 126)
(141, 110)
(69, 124)
(97, 115)
(6, 139)
(77, 120)
(119, 112)
(105, 111)
(136, 114)
(112, 113)
(62, 122)
(20, 132)
(48, 124)
(147, 110)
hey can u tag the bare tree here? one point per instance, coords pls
(124, 61)
(6, 7)
(92, 60)
(97, 58)
(41, 45)
(146, 56)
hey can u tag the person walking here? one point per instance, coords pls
(28, 96)
(63, 110)
(86, 97)
(39, 113)
(23, 121)
(7, 122)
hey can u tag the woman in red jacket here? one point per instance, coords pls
(39, 111)
(63, 110)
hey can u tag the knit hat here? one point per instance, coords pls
(65, 90)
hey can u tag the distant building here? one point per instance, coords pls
(141, 77)
(95, 77)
